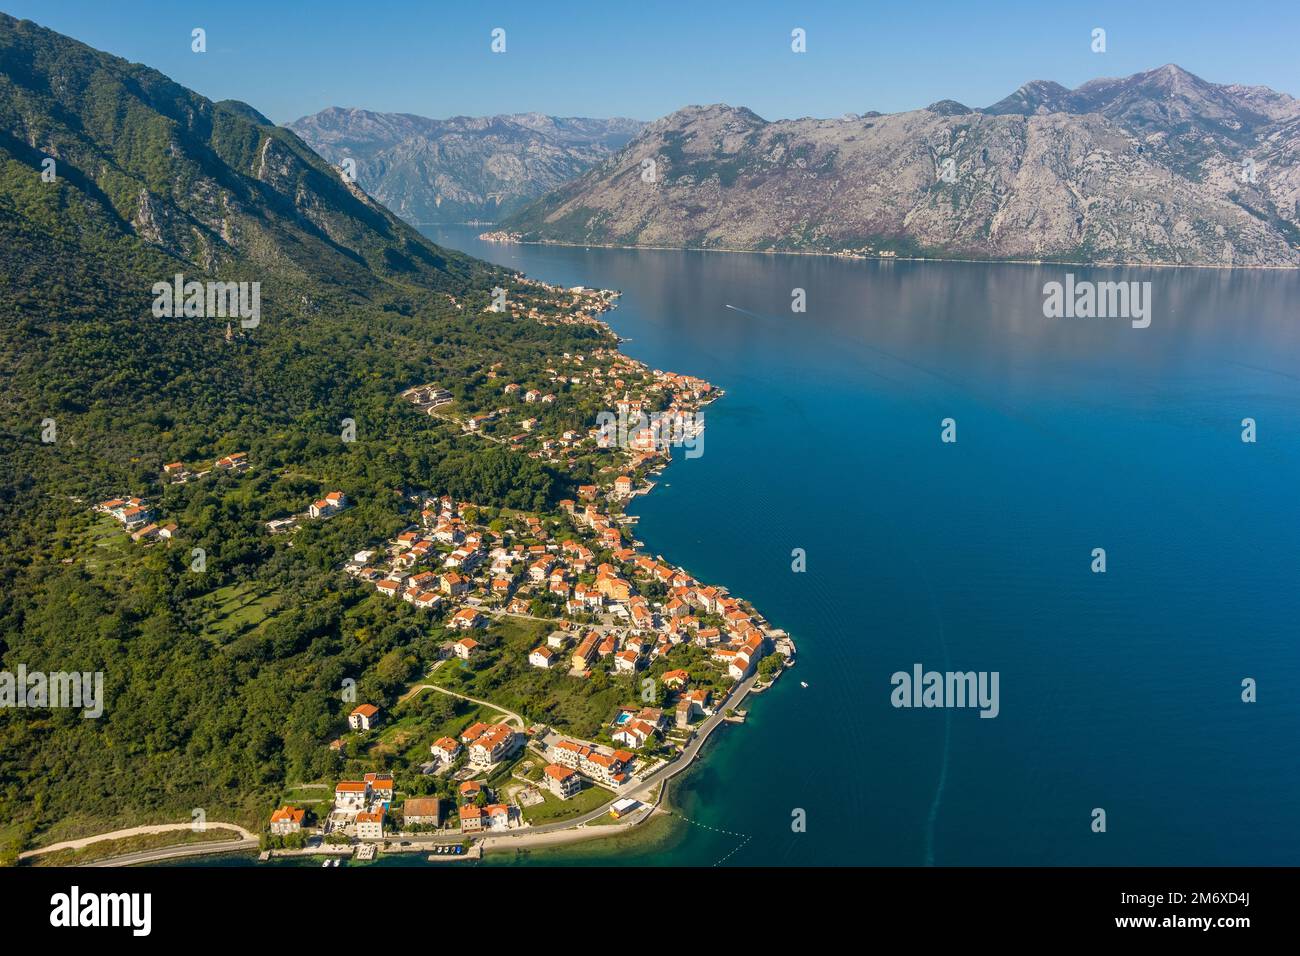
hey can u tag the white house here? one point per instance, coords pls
(465, 619)
(333, 502)
(495, 743)
(351, 795)
(427, 599)
(381, 785)
(287, 820)
(364, 717)
(562, 781)
(370, 825)
(445, 749)
(634, 733)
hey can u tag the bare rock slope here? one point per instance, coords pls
(463, 168)
(1158, 167)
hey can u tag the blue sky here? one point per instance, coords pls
(645, 59)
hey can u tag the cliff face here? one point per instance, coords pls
(464, 168)
(1144, 169)
(141, 160)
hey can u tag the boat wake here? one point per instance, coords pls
(736, 308)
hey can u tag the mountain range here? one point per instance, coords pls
(143, 167)
(464, 168)
(1159, 167)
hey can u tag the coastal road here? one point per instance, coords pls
(175, 852)
(521, 837)
(130, 832)
(640, 790)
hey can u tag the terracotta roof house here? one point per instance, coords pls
(364, 717)
(287, 820)
(562, 781)
(422, 810)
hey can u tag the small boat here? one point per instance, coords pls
(325, 863)
(803, 684)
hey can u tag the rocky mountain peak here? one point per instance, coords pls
(1143, 168)
(948, 108)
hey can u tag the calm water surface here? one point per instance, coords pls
(1119, 691)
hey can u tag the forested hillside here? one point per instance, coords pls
(222, 685)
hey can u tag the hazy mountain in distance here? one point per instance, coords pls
(464, 168)
(1155, 167)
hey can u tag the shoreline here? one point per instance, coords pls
(1101, 263)
(656, 785)
(660, 807)
(660, 810)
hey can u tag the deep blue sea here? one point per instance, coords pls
(1120, 691)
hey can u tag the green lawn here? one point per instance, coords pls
(105, 546)
(503, 676)
(306, 794)
(534, 772)
(555, 809)
(418, 722)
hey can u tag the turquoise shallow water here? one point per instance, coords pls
(1118, 691)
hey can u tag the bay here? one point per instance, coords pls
(1119, 691)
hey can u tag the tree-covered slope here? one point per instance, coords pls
(215, 184)
(223, 684)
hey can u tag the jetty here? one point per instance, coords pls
(475, 852)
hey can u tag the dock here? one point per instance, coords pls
(475, 852)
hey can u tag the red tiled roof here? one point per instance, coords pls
(288, 815)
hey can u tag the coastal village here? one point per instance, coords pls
(604, 612)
